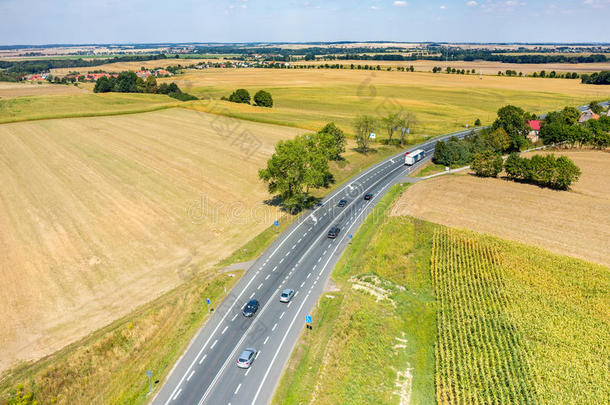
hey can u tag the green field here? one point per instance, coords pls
(79, 105)
(470, 318)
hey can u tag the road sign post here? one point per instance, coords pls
(149, 375)
(350, 238)
(207, 301)
(308, 321)
(277, 226)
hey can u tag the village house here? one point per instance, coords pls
(535, 131)
(587, 115)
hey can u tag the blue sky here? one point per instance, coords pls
(114, 21)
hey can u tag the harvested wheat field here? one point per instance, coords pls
(10, 90)
(574, 223)
(99, 215)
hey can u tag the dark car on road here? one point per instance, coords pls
(368, 196)
(342, 203)
(250, 308)
(334, 231)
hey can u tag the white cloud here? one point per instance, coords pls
(399, 3)
(443, 7)
(472, 3)
(374, 8)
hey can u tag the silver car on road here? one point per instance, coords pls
(246, 358)
(286, 295)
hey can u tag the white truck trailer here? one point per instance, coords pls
(413, 157)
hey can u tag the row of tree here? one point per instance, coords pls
(262, 98)
(129, 82)
(302, 164)
(597, 78)
(399, 123)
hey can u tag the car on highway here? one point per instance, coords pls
(342, 203)
(286, 295)
(334, 231)
(318, 205)
(368, 196)
(250, 308)
(246, 358)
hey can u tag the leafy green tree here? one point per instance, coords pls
(103, 85)
(516, 167)
(126, 82)
(296, 167)
(150, 85)
(391, 123)
(486, 164)
(240, 96)
(595, 107)
(364, 125)
(453, 152)
(477, 122)
(263, 98)
(514, 121)
(336, 140)
(407, 121)
(570, 115)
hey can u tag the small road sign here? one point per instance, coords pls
(207, 300)
(308, 319)
(149, 373)
(276, 223)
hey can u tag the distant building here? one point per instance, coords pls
(588, 115)
(162, 72)
(143, 74)
(535, 131)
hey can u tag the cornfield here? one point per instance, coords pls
(480, 358)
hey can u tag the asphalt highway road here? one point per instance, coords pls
(302, 259)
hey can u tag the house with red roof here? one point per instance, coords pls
(535, 130)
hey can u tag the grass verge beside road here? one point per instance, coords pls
(428, 314)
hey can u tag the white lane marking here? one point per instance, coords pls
(224, 330)
(259, 286)
(213, 344)
(287, 253)
(190, 375)
(302, 284)
(288, 306)
(251, 295)
(281, 316)
(282, 260)
(321, 271)
(268, 275)
(309, 274)
(257, 353)
(274, 269)
(323, 254)
(237, 389)
(319, 258)
(274, 326)
(203, 358)
(177, 393)
(248, 370)
(235, 316)
(266, 339)
(295, 294)
(309, 229)
(299, 241)
(293, 246)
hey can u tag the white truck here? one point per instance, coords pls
(413, 157)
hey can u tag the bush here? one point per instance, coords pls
(240, 96)
(263, 98)
(545, 171)
(477, 122)
(487, 164)
(183, 96)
